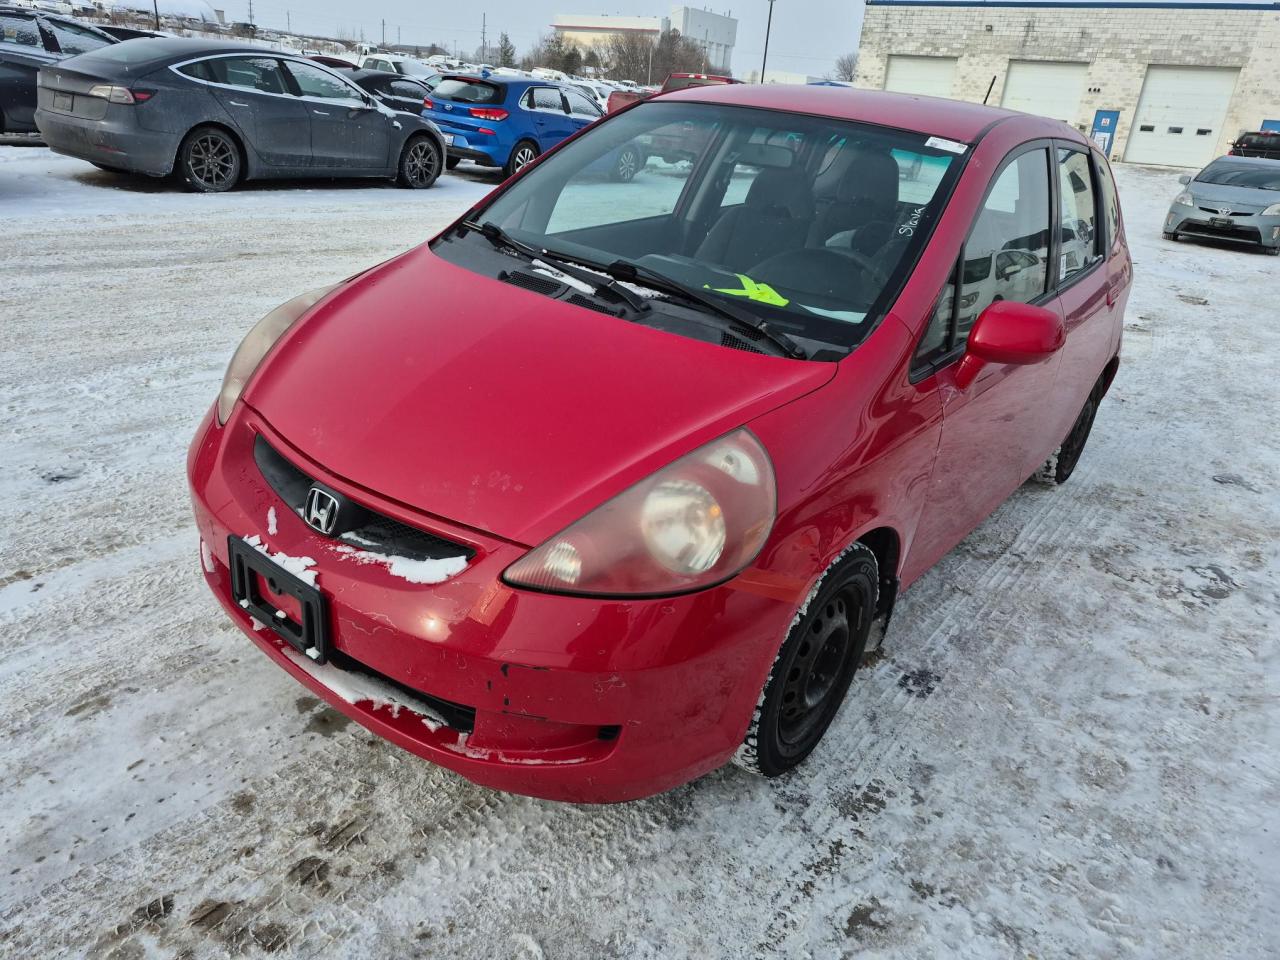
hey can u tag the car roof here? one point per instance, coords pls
(954, 119)
(155, 49)
(1235, 161)
(358, 75)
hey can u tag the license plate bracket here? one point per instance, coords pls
(309, 635)
(1222, 223)
(64, 101)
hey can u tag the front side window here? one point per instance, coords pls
(73, 38)
(1079, 218)
(320, 84)
(580, 106)
(20, 29)
(1006, 255)
(803, 221)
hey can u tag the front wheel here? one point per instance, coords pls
(1062, 462)
(522, 154)
(1169, 235)
(209, 160)
(420, 164)
(814, 667)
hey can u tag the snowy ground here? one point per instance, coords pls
(1069, 750)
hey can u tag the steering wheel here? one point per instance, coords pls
(815, 261)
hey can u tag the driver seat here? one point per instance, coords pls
(864, 213)
(777, 216)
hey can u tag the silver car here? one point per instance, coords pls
(1233, 198)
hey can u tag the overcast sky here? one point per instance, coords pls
(807, 34)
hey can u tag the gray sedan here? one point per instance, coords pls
(1233, 198)
(216, 113)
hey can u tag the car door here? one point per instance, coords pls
(1086, 290)
(995, 426)
(549, 115)
(348, 133)
(582, 111)
(254, 94)
(22, 54)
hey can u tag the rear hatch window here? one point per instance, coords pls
(468, 91)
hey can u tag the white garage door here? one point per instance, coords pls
(1045, 89)
(1180, 115)
(930, 76)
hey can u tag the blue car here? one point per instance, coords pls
(501, 121)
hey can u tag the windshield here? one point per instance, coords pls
(1241, 175)
(807, 222)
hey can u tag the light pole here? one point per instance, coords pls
(768, 26)
(155, 6)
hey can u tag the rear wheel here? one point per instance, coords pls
(420, 163)
(522, 154)
(626, 165)
(814, 667)
(1271, 251)
(1062, 462)
(209, 160)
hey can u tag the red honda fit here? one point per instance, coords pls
(610, 483)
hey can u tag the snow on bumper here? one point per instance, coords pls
(566, 698)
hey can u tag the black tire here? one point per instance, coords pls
(522, 154)
(1062, 462)
(1169, 235)
(452, 162)
(628, 163)
(421, 161)
(1271, 251)
(210, 160)
(813, 669)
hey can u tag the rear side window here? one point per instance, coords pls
(20, 29)
(580, 106)
(314, 82)
(1079, 217)
(261, 74)
(545, 98)
(1110, 200)
(73, 38)
(468, 91)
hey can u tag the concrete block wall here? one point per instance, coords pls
(1117, 42)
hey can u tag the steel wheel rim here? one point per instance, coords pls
(212, 161)
(524, 156)
(421, 163)
(627, 164)
(814, 674)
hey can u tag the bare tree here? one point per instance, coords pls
(847, 66)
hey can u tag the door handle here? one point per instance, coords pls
(320, 113)
(237, 103)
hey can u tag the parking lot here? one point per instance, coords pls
(1068, 748)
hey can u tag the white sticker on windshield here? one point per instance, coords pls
(939, 143)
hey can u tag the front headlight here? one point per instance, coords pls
(693, 524)
(260, 340)
(1272, 211)
(1185, 199)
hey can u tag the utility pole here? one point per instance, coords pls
(251, 13)
(484, 41)
(768, 27)
(155, 5)
(649, 77)
(384, 31)
(288, 20)
(397, 36)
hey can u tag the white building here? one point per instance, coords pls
(1156, 82)
(715, 32)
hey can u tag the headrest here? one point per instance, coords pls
(786, 192)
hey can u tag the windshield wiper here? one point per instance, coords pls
(600, 284)
(631, 272)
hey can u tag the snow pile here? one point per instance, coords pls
(414, 571)
(272, 527)
(298, 566)
(357, 688)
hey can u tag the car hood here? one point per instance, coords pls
(494, 407)
(1211, 193)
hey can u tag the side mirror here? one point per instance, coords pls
(1010, 332)
(1184, 179)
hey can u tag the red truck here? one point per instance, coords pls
(677, 81)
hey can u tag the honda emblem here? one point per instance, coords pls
(322, 511)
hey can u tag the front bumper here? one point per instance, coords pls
(104, 141)
(1193, 221)
(574, 699)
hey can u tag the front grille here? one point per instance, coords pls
(1243, 234)
(1230, 213)
(374, 531)
(458, 716)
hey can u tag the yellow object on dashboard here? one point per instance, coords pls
(761, 292)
